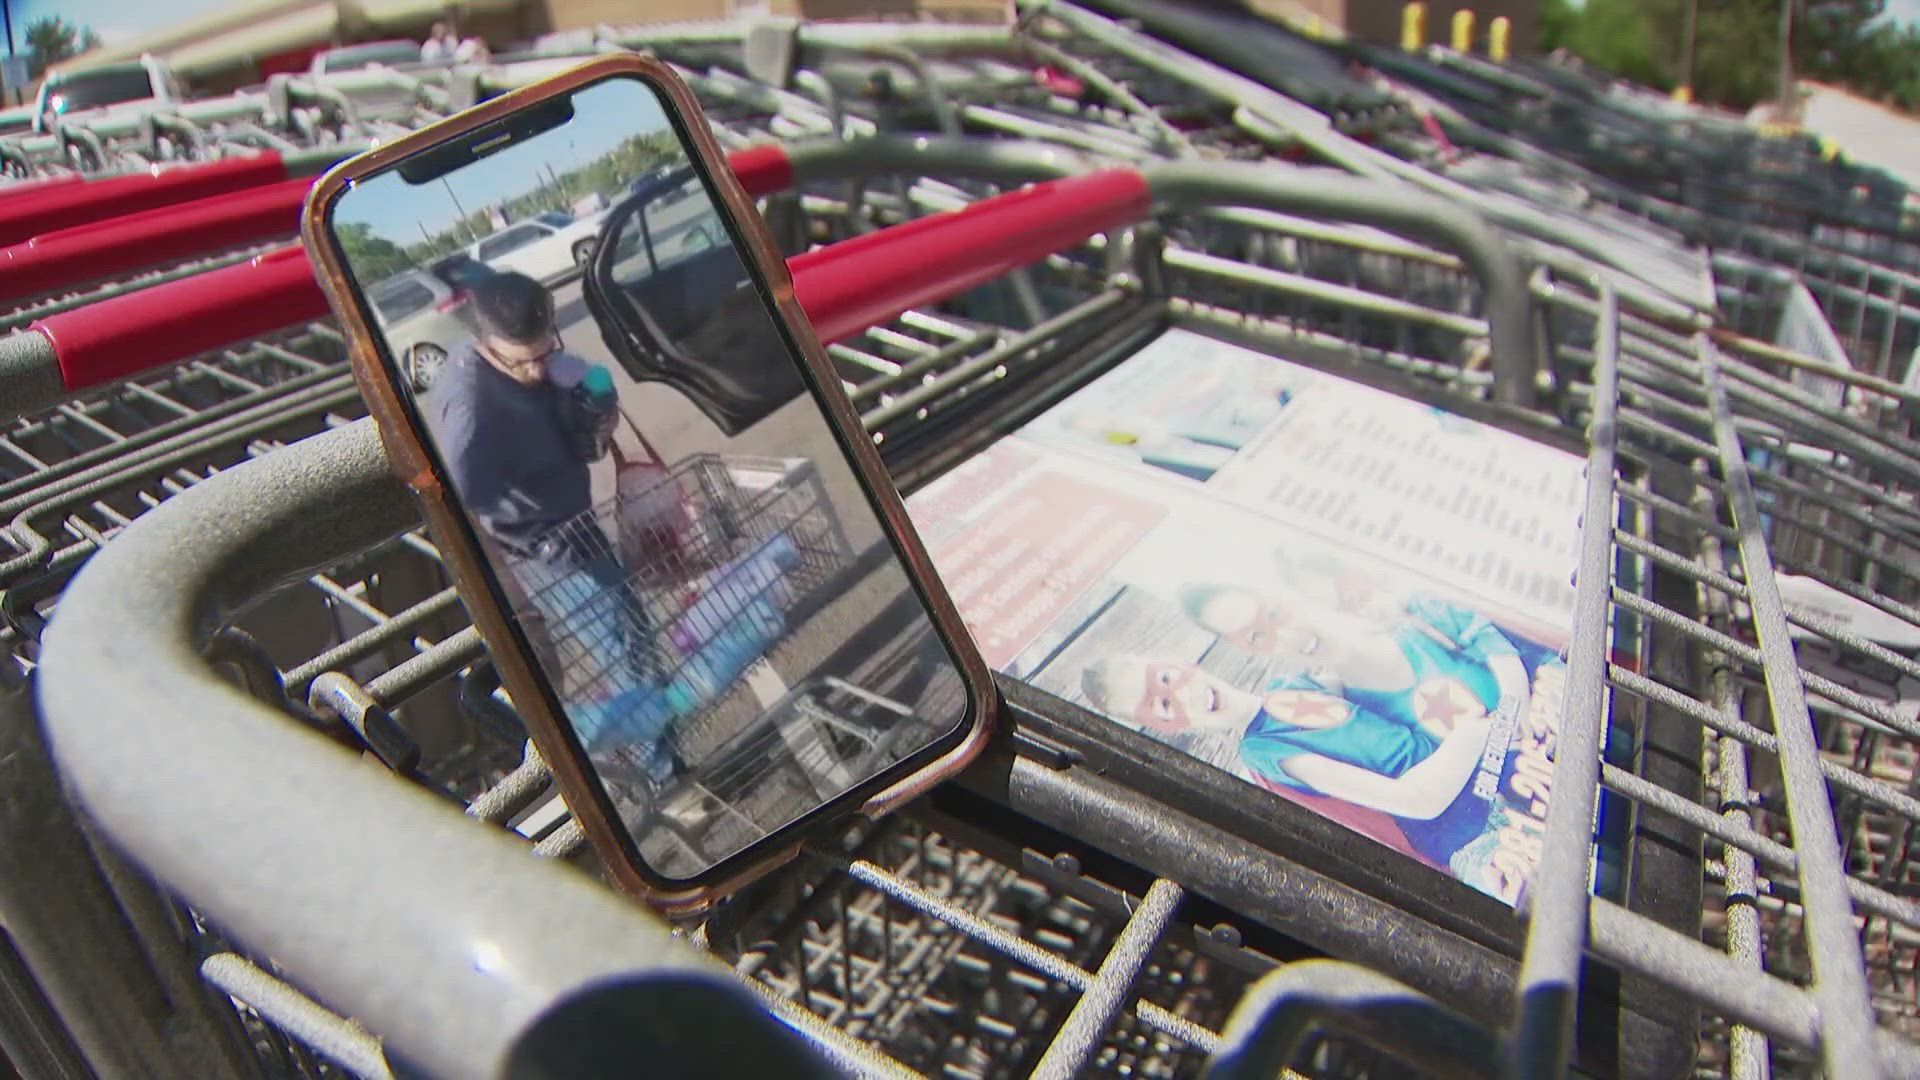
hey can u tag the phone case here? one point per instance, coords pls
(413, 464)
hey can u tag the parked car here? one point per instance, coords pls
(424, 314)
(387, 54)
(684, 187)
(105, 88)
(549, 248)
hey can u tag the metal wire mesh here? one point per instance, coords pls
(956, 950)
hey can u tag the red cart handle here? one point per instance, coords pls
(49, 206)
(103, 229)
(844, 289)
(59, 261)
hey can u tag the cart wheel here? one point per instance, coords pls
(903, 741)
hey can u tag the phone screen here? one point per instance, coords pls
(629, 434)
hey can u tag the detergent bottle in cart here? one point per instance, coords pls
(760, 575)
(595, 402)
(642, 719)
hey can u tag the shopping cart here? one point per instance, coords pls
(962, 357)
(1060, 911)
(1726, 258)
(914, 917)
(723, 563)
(286, 113)
(224, 180)
(1685, 166)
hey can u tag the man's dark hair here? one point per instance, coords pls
(513, 306)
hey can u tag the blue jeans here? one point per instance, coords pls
(590, 606)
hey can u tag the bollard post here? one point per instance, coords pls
(1500, 39)
(1413, 26)
(1463, 31)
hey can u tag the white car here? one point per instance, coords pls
(386, 54)
(549, 248)
(79, 90)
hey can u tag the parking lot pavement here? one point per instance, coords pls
(1868, 132)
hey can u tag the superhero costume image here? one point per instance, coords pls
(1387, 732)
(1421, 747)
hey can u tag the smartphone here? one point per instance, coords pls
(701, 588)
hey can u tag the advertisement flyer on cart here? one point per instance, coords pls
(1349, 599)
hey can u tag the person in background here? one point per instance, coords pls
(441, 44)
(517, 434)
(472, 50)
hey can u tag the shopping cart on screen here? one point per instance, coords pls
(724, 563)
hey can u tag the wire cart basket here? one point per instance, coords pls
(221, 534)
(757, 553)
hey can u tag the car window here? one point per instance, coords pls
(356, 57)
(680, 228)
(555, 219)
(100, 87)
(509, 240)
(401, 298)
(462, 271)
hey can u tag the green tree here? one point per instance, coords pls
(373, 258)
(51, 39)
(1849, 43)
(1559, 25)
(1737, 52)
(1834, 39)
(1736, 59)
(1620, 38)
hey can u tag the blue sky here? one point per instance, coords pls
(1904, 11)
(114, 20)
(605, 115)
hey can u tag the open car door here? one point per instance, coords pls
(676, 304)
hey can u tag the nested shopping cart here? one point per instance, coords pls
(1086, 904)
(1797, 221)
(1032, 888)
(1714, 178)
(953, 348)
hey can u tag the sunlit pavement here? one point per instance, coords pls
(1867, 132)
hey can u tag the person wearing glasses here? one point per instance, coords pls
(518, 422)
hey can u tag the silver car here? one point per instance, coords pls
(424, 315)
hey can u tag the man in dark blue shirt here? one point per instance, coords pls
(517, 437)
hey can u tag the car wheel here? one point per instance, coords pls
(424, 362)
(583, 252)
